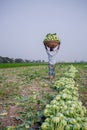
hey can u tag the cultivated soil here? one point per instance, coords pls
(26, 91)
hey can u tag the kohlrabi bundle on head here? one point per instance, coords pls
(51, 40)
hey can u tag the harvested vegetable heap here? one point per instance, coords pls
(51, 37)
(65, 111)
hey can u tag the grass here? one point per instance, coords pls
(10, 65)
(25, 91)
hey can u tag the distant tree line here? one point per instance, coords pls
(18, 60)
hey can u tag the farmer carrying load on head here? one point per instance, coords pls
(52, 45)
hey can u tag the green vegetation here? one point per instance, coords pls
(10, 65)
(25, 90)
(65, 111)
(51, 37)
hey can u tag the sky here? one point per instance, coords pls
(25, 23)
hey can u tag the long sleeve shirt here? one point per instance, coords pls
(52, 55)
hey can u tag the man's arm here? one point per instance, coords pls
(59, 46)
(45, 46)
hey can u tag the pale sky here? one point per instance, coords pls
(25, 23)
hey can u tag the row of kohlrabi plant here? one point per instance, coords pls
(65, 111)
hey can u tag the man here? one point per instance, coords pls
(52, 50)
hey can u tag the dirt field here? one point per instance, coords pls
(25, 91)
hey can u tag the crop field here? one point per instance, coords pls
(25, 92)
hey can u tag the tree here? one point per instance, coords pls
(19, 60)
